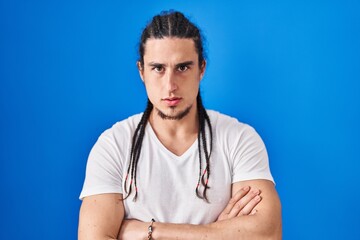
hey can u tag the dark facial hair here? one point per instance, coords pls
(179, 116)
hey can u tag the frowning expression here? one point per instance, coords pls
(172, 75)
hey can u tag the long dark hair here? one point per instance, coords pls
(172, 24)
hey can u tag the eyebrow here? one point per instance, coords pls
(186, 63)
(154, 64)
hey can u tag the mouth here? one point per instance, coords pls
(173, 101)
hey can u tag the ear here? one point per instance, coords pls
(141, 70)
(202, 69)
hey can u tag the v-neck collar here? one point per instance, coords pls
(188, 152)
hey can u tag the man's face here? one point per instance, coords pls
(171, 74)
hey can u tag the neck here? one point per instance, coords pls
(186, 126)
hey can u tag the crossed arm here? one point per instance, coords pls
(249, 215)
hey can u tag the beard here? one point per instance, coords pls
(177, 116)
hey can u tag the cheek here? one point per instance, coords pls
(194, 84)
(152, 89)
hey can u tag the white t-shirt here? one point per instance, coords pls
(166, 182)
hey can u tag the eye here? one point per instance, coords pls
(158, 69)
(183, 68)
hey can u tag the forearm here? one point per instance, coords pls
(244, 227)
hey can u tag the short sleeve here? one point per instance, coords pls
(104, 167)
(249, 155)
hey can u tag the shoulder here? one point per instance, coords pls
(124, 127)
(108, 157)
(227, 124)
(114, 143)
(230, 133)
(118, 135)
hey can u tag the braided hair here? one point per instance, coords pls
(172, 24)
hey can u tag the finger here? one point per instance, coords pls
(243, 202)
(253, 212)
(238, 195)
(250, 207)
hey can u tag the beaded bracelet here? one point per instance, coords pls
(150, 230)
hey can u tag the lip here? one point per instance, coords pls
(172, 101)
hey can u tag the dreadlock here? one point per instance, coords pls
(136, 149)
(203, 120)
(172, 24)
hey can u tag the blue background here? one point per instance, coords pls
(291, 69)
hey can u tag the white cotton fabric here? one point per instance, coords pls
(166, 182)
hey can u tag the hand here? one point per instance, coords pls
(242, 203)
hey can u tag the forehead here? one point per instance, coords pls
(170, 50)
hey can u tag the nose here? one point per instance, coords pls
(171, 85)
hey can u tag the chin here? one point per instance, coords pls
(174, 113)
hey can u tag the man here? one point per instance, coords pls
(198, 173)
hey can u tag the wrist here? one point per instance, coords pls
(156, 228)
(168, 231)
(151, 229)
